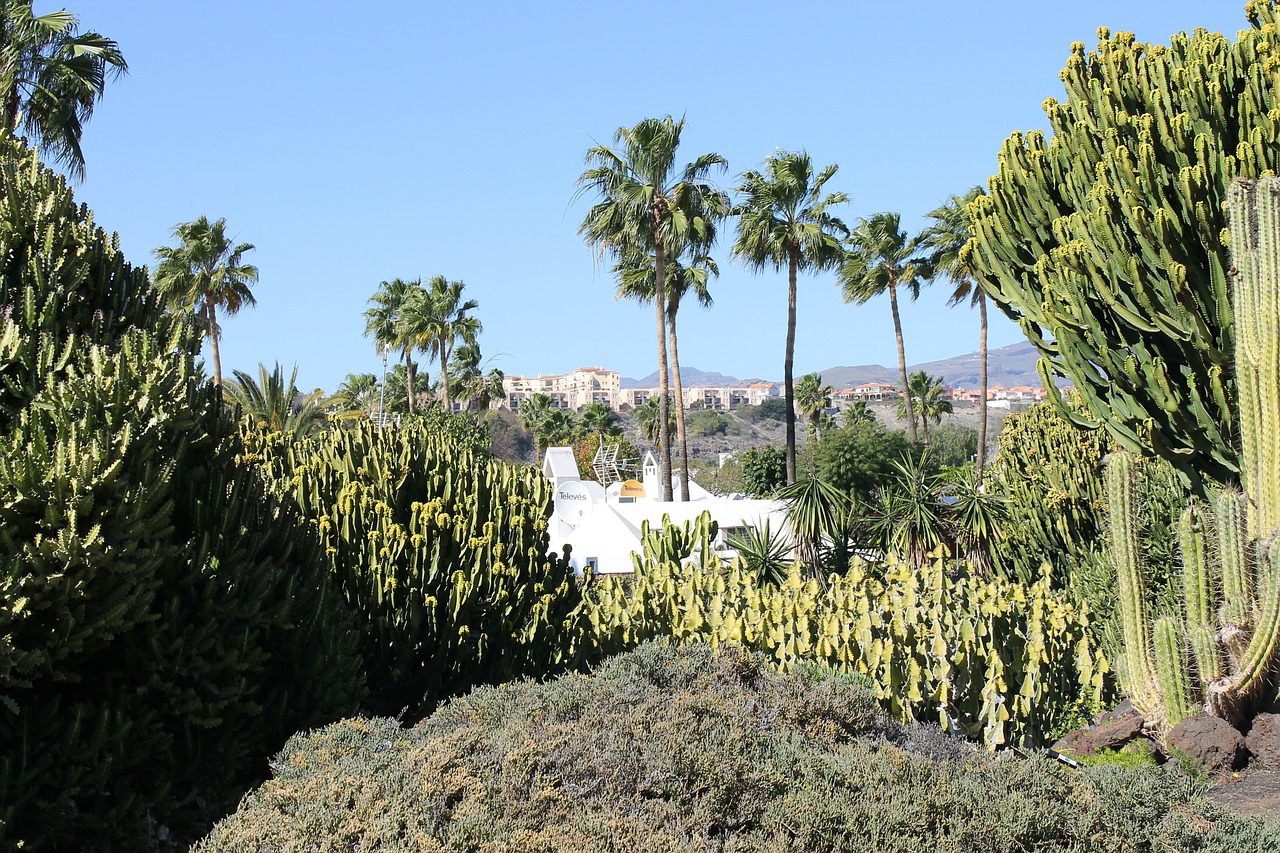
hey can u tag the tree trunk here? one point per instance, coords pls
(902, 362)
(681, 437)
(924, 423)
(664, 377)
(212, 318)
(408, 376)
(982, 404)
(444, 375)
(788, 386)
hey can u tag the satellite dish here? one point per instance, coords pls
(573, 502)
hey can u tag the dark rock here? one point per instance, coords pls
(1124, 709)
(1263, 740)
(1211, 742)
(1113, 735)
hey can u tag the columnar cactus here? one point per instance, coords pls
(1104, 240)
(997, 660)
(1234, 640)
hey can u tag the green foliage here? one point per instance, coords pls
(440, 551)
(764, 471)
(858, 458)
(705, 423)
(1106, 239)
(585, 448)
(272, 402)
(770, 409)
(684, 749)
(510, 442)
(952, 445)
(163, 624)
(995, 660)
(1050, 473)
(763, 552)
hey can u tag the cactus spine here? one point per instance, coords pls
(1235, 641)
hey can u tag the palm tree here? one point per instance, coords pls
(858, 412)
(356, 397)
(923, 399)
(647, 418)
(51, 77)
(647, 205)
(599, 418)
(204, 273)
(911, 517)
(881, 258)
(276, 405)
(436, 318)
(534, 412)
(784, 220)
(812, 399)
(385, 323)
(635, 276)
(945, 239)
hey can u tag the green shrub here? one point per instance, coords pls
(764, 471)
(859, 458)
(705, 423)
(692, 749)
(163, 626)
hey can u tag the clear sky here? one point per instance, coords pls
(354, 143)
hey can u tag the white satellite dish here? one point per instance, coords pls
(573, 502)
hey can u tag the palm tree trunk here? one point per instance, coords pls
(408, 376)
(679, 388)
(924, 424)
(211, 318)
(788, 386)
(982, 404)
(444, 375)
(664, 377)
(902, 361)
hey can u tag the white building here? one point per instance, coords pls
(572, 391)
(603, 526)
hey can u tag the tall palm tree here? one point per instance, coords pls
(51, 77)
(204, 273)
(275, 404)
(385, 323)
(880, 258)
(923, 400)
(648, 205)
(635, 275)
(812, 399)
(945, 240)
(436, 319)
(784, 220)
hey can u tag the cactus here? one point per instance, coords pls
(441, 551)
(1234, 640)
(994, 659)
(1105, 241)
(163, 625)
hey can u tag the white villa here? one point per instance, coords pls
(602, 525)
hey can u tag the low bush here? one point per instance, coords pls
(697, 749)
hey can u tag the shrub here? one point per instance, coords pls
(858, 458)
(764, 471)
(693, 749)
(163, 624)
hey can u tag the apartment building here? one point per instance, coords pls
(571, 391)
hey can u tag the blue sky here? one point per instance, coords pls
(354, 143)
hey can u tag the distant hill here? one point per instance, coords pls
(1007, 366)
(690, 376)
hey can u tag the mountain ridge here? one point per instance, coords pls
(1010, 365)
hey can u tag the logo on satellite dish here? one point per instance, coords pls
(632, 489)
(572, 502)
